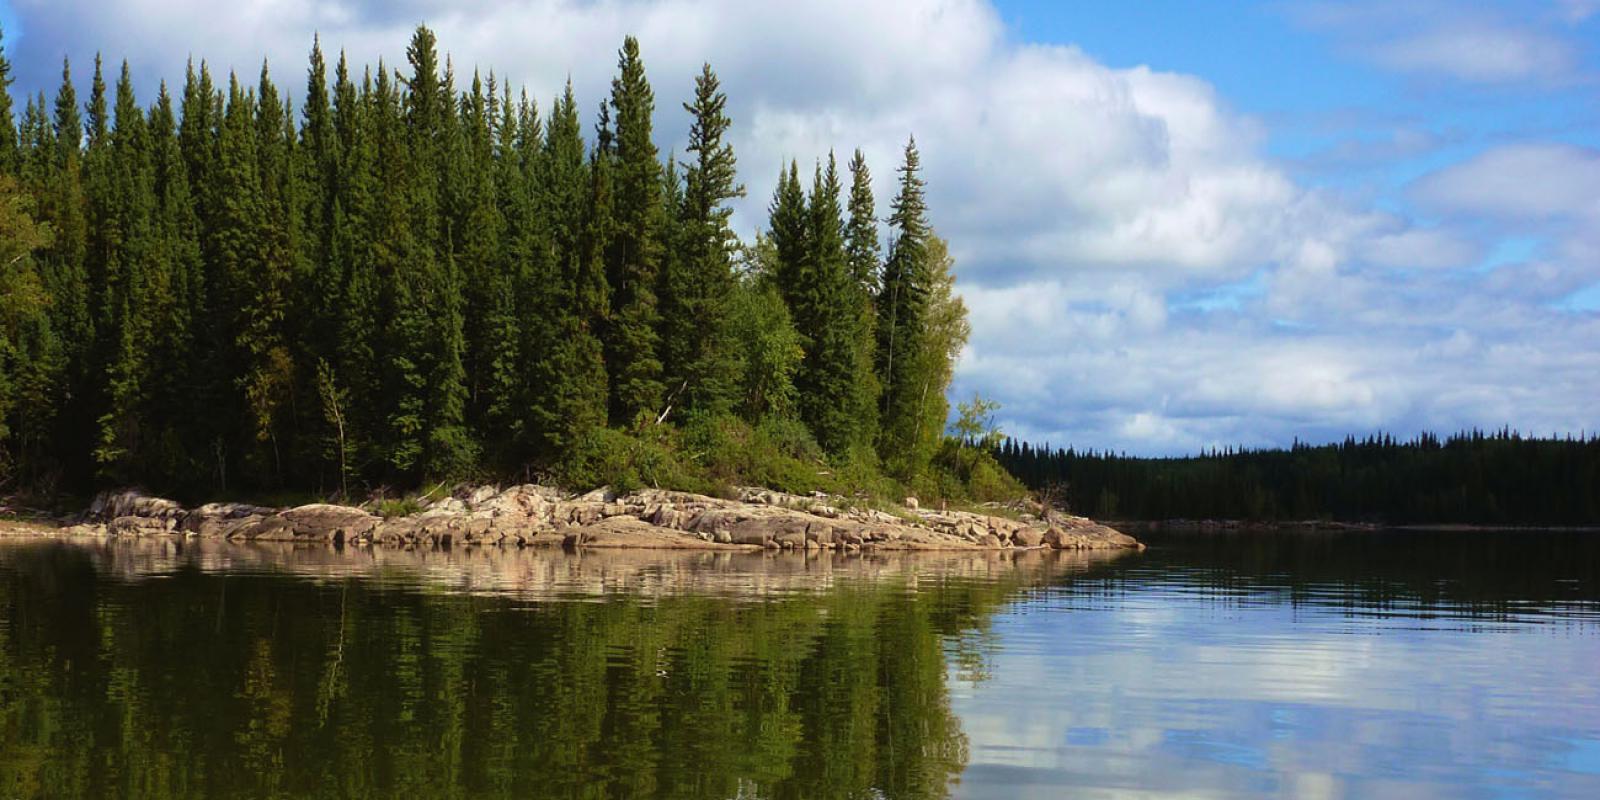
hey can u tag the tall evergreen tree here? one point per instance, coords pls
(569, 377)
(634, 249)
(431, 340)
(862, 253)
(129, 258)
(356, 364)
(789, 226)
(64, 270)
(264, 333)
(510, 329)
(902, 306)
(10, 152)
(826, 381)
(490, 270)
(175, 298)
(696, 342)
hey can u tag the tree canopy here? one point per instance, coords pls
(421, 275)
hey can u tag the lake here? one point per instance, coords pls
(1366, 665)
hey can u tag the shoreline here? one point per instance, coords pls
(1330, 526)
(530, 515)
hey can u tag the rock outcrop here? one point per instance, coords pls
(538, 516)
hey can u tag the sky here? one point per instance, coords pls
(1176, 225)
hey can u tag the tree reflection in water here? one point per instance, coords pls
(162, 670)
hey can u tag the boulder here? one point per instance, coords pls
(328, 523)
(1027, 537)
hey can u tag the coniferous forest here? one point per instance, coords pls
(1475, 477)
(416, 275)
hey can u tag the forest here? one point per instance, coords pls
(1468, 478)
(404, 280)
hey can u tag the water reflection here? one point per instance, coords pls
(1339, 665)
(150, 669)
(1329, 665)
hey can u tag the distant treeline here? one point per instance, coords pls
(1476, 477)
(404, 280)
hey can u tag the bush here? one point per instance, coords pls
(778, 453)
(627, 462)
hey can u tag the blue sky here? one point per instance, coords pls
(1177, 225)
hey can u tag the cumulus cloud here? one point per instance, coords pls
(1082, 203)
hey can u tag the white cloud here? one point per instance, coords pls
(1482, 54)
(1532, 180)
(1481, 43)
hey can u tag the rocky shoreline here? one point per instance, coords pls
(539, 516)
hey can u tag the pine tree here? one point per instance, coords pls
(318, 173)
(490, 269)
(10, 152)
(902, 306)
(175, 297)
(826, 381)
(264, 332)
(569, 377)
(215, 392)
(513, 330)
(861, 254)
(243, 304)
(430, 340)
(697, 346)
(131, 276)
(790, 225)
(63, 267)
(356, 364)
(633, 257)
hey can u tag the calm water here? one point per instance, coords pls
(1372, 665)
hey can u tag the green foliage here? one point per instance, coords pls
(634, 248)
(776, 452)
(902, 310)
(405, 282)
(627, 461)
(1473, 477)
(770, 348)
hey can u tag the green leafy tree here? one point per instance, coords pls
(24, 326)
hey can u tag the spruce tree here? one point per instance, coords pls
(176, 297)
(10, 152)
(430, 340)
(490, 269)
(65, 274)
(789, 226)
(696, 343)
(861, 254)
(357, 366)
(634, 250)
(131, 272)
(902, 307)
(514, 318)
(569, 380)
(264, 332)
(826, 381)
(245, 303)
(318, 173)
